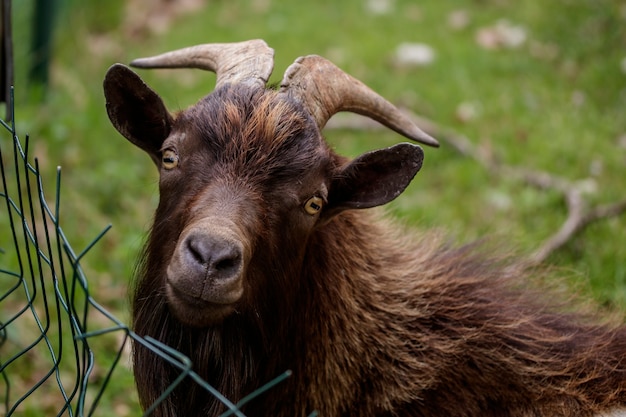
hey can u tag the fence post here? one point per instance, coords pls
(6, 58)
(41, 47)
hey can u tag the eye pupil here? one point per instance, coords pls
(313, 205)
(169, 159)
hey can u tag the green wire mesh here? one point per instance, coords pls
(60, 351)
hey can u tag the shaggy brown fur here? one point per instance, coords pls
(371, 322)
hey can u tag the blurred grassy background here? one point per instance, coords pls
(541, 85)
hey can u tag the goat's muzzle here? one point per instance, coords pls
(205, 275)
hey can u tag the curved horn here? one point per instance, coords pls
(325, 90)
(242, 62)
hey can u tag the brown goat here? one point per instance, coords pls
(259, 262)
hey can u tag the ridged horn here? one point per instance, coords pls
(324, 90)
(242, 62)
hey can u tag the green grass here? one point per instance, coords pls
(556, 103)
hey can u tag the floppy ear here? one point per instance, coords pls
(136, 111)
(374, 178)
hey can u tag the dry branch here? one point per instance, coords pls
(579, 213)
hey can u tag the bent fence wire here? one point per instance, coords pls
(52, 329)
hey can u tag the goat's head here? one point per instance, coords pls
(245, 175)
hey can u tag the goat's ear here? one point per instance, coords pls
(135, 110)
(374, 178)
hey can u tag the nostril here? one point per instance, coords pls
(213, 254)
(227, 263)
(195, 249)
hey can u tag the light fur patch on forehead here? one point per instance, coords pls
(271, 120)
(256, 133)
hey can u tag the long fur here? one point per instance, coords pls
(372, 322)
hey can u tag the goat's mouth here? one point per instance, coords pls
(195, 311)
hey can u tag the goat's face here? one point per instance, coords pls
(237, 171)
(245, 178)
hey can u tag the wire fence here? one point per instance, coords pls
(60, 350)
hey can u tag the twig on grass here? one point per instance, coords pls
(579, 213)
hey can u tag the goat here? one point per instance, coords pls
(261, 259)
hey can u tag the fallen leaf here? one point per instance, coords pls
(414, 55)
(502, 35)
(458, 19)
(379, 7)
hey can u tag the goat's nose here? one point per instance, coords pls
(213, 256)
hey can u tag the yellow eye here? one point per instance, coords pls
(313, 205)
(169, 159)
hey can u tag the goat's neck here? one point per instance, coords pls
(337, 318)
(385, 307)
